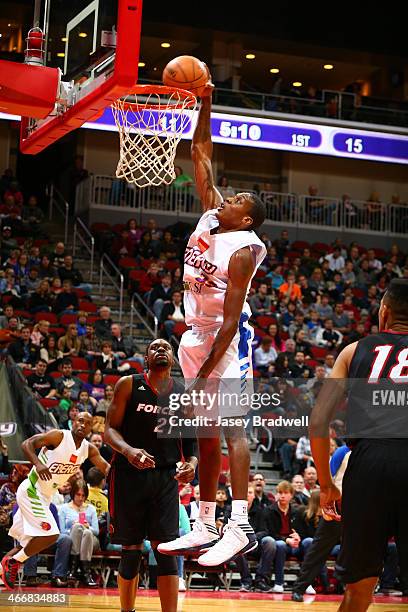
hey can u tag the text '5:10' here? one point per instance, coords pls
(244, 131)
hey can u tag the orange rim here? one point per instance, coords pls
(186, 98)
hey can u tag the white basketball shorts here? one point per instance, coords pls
(232, 377)
(33, 517)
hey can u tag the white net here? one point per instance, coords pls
(150, 126)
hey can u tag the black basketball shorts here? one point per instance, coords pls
(374, 507)
(143, 504)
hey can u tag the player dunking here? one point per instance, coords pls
(62, 453)
(221, 259)
(373, 367)
(143, 490)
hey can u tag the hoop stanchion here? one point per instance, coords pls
(151, 120)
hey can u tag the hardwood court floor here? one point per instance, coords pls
(82, 600)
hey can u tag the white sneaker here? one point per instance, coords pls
(237, 540)
(182, 585)
(310, 590)
(199, 539)
(278, 588)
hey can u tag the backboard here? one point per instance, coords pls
(95, 44)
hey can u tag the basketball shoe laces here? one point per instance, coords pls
(201, 530)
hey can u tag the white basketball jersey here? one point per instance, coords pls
(206, 262)
(62, 461)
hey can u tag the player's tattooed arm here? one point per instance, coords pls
(201, 154)
(240, 271)
(50, 439)
(330, 397)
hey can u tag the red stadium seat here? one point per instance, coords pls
(27, 372)
(137, 275)
(259, 332)
(127, 262)
(40, 242)
(299, 245)
(172, 265)
(99, 228)
(23, 314)
(179, 329)
(260, 274)
(80, 293)
(319, 352)
(321, 247)
(380, 253)
(80, 363)
(111, 379)
(83, 376)
(118, 228)
(293, 254)
(264, 321)
(67, 319)
(358, 293)
(88, 306)
(55, 374)
(46, 316)
(57, 331)
(145, 263)
(48, 402)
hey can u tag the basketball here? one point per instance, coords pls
(186, 72)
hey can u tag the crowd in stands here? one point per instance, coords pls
(308, 301)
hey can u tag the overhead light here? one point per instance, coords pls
(64, 39)
(141, 64)
(165, 45)
(250, 56)
(9, 25)
(60, 54)
(274, 70)
(328, 66)
(82, 35)
(155, 68)
(297, 84)
(1, 35)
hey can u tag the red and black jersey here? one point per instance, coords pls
(146, 424)
(378, 387)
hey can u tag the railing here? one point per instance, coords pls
(110, 191)
(287, 209)
(262, 448)
(119, 286)
(134, 311)
(84, 236)
(332, 104)
(83, 196)
(58, 202)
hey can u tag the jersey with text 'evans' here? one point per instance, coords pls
(206, 262)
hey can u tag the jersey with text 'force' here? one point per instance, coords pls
(378, 387)
(206, 262)
(62, 461)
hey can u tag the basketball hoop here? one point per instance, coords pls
(151, 120)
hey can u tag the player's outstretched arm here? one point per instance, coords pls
(240, 271)
(50, 439)
(98, 461)
(201, 154)
(330, 397)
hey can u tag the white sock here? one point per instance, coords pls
(207, 512)
(20, 556)
(239, 510)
